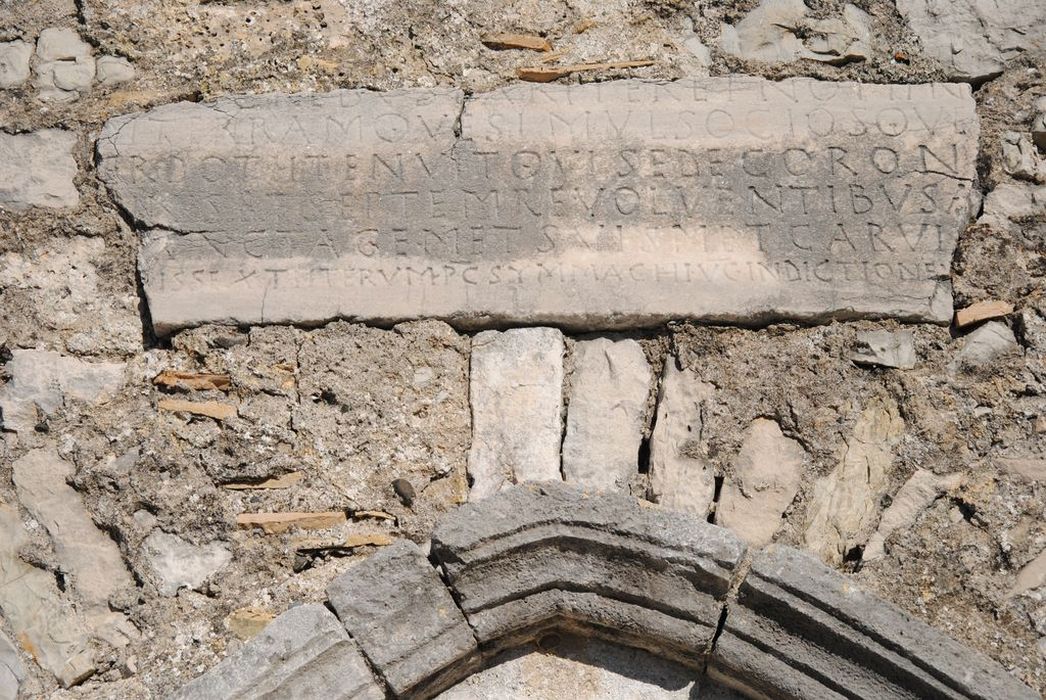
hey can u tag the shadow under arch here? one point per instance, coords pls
(562, 665)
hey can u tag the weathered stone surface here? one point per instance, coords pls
(842, 511)
(1021, 159)
(12, 673)
(802, 630)
(605, 412)
(1009, 202)
(516, 393)
(885, 348)
(781, 31)
(55, 289)
(923, 488)
(1038, 125)
(404, 619)
(37, 170)
(114, 70)
(1026, 467)
(48, 627)
(90, 557)
(179, 564)
(14, 63)
(544, 555)
(681, 476)
(1031, 576)
(767, 471)
(974, 39)
(64, 65)
(594, 206)
(303, 654)
(42, 380)
(984, 345)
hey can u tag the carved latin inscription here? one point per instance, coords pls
(595, 206)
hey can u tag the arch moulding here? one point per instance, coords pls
(770, 623)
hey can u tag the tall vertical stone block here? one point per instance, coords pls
(681, 475)
(516, 392)
(605, 413)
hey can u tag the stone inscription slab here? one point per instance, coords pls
(591, 207)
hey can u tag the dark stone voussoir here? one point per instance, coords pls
(397, 608)
(547, 554)
(302, 654)
(801, 630)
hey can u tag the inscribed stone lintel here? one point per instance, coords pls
(599, 206)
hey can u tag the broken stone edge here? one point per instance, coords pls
(549, 556)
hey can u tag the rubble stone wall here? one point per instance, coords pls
(820, 325)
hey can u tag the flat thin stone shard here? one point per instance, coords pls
(600, 206)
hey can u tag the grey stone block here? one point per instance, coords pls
(43, 380)
(516, 395)
(985, 345)
(608, 396)
(61, 44)
(885, 349)
(37, 170)
(14, 63)
(114, 70)
(12, 673)
(87, 555)
(303, 654)
(397, 608)
(543, 554)
(64, 67)
(801, 630)
(682, 477)
(598, 206)
(37, 612)
(974, 40)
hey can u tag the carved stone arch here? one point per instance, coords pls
(772, 623)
